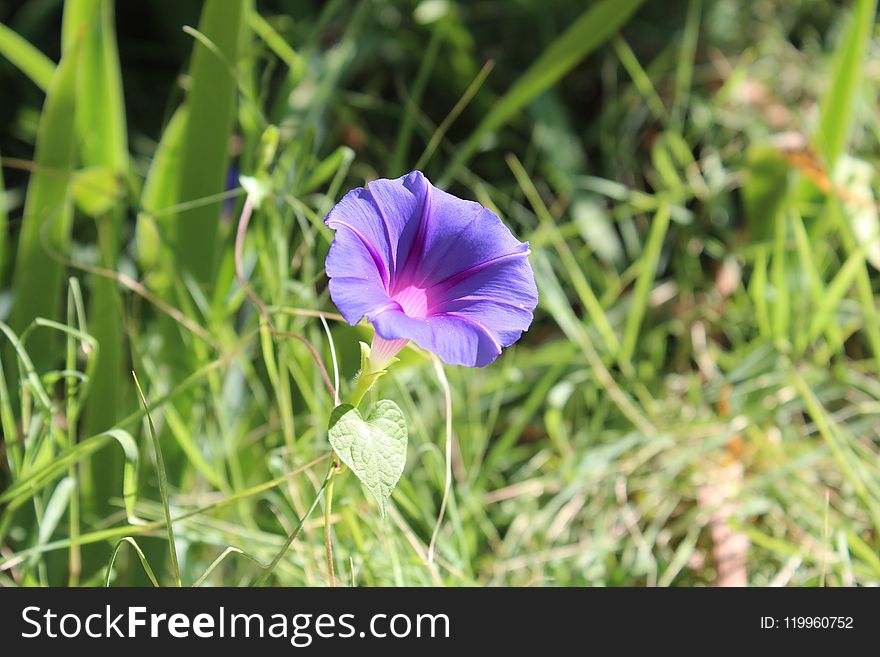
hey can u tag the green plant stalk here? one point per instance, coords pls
(365, 381)
(361, 388)
(328, 529)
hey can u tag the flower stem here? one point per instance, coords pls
(361, 388)
(261, 580)
(328, 510)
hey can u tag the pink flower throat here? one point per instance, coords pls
(413, 300)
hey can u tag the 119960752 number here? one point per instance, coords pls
(808, 623)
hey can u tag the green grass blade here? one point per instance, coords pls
(211, 102)
(640, 78)
(572, 267)
(838, 105)
(102, 136)
(128, 540)
(4, 231)
(595, 25)
(276, 43)
(160, 189)
(163, 483)
(647, 273)
(22, 490)
(59, 500)
(781, 310)
(227, 552)
(27, 58)
(38, 281)
(684, 72)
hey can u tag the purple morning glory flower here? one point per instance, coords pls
(423, 265)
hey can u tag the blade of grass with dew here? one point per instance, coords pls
(37, 280)
(163, 483)
(211, 102)
(590, 30)
(26, 57)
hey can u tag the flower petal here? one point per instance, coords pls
(356, 274)
(505, 320)
(457, 340)
(369, 224)
(460, 235)
(357, 298)
(507, 278)
(399, 204)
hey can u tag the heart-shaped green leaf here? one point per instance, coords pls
(373, 447)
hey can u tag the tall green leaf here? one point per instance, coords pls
(102, 139)
(211, 102)
(48, 217)
(160, 189)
